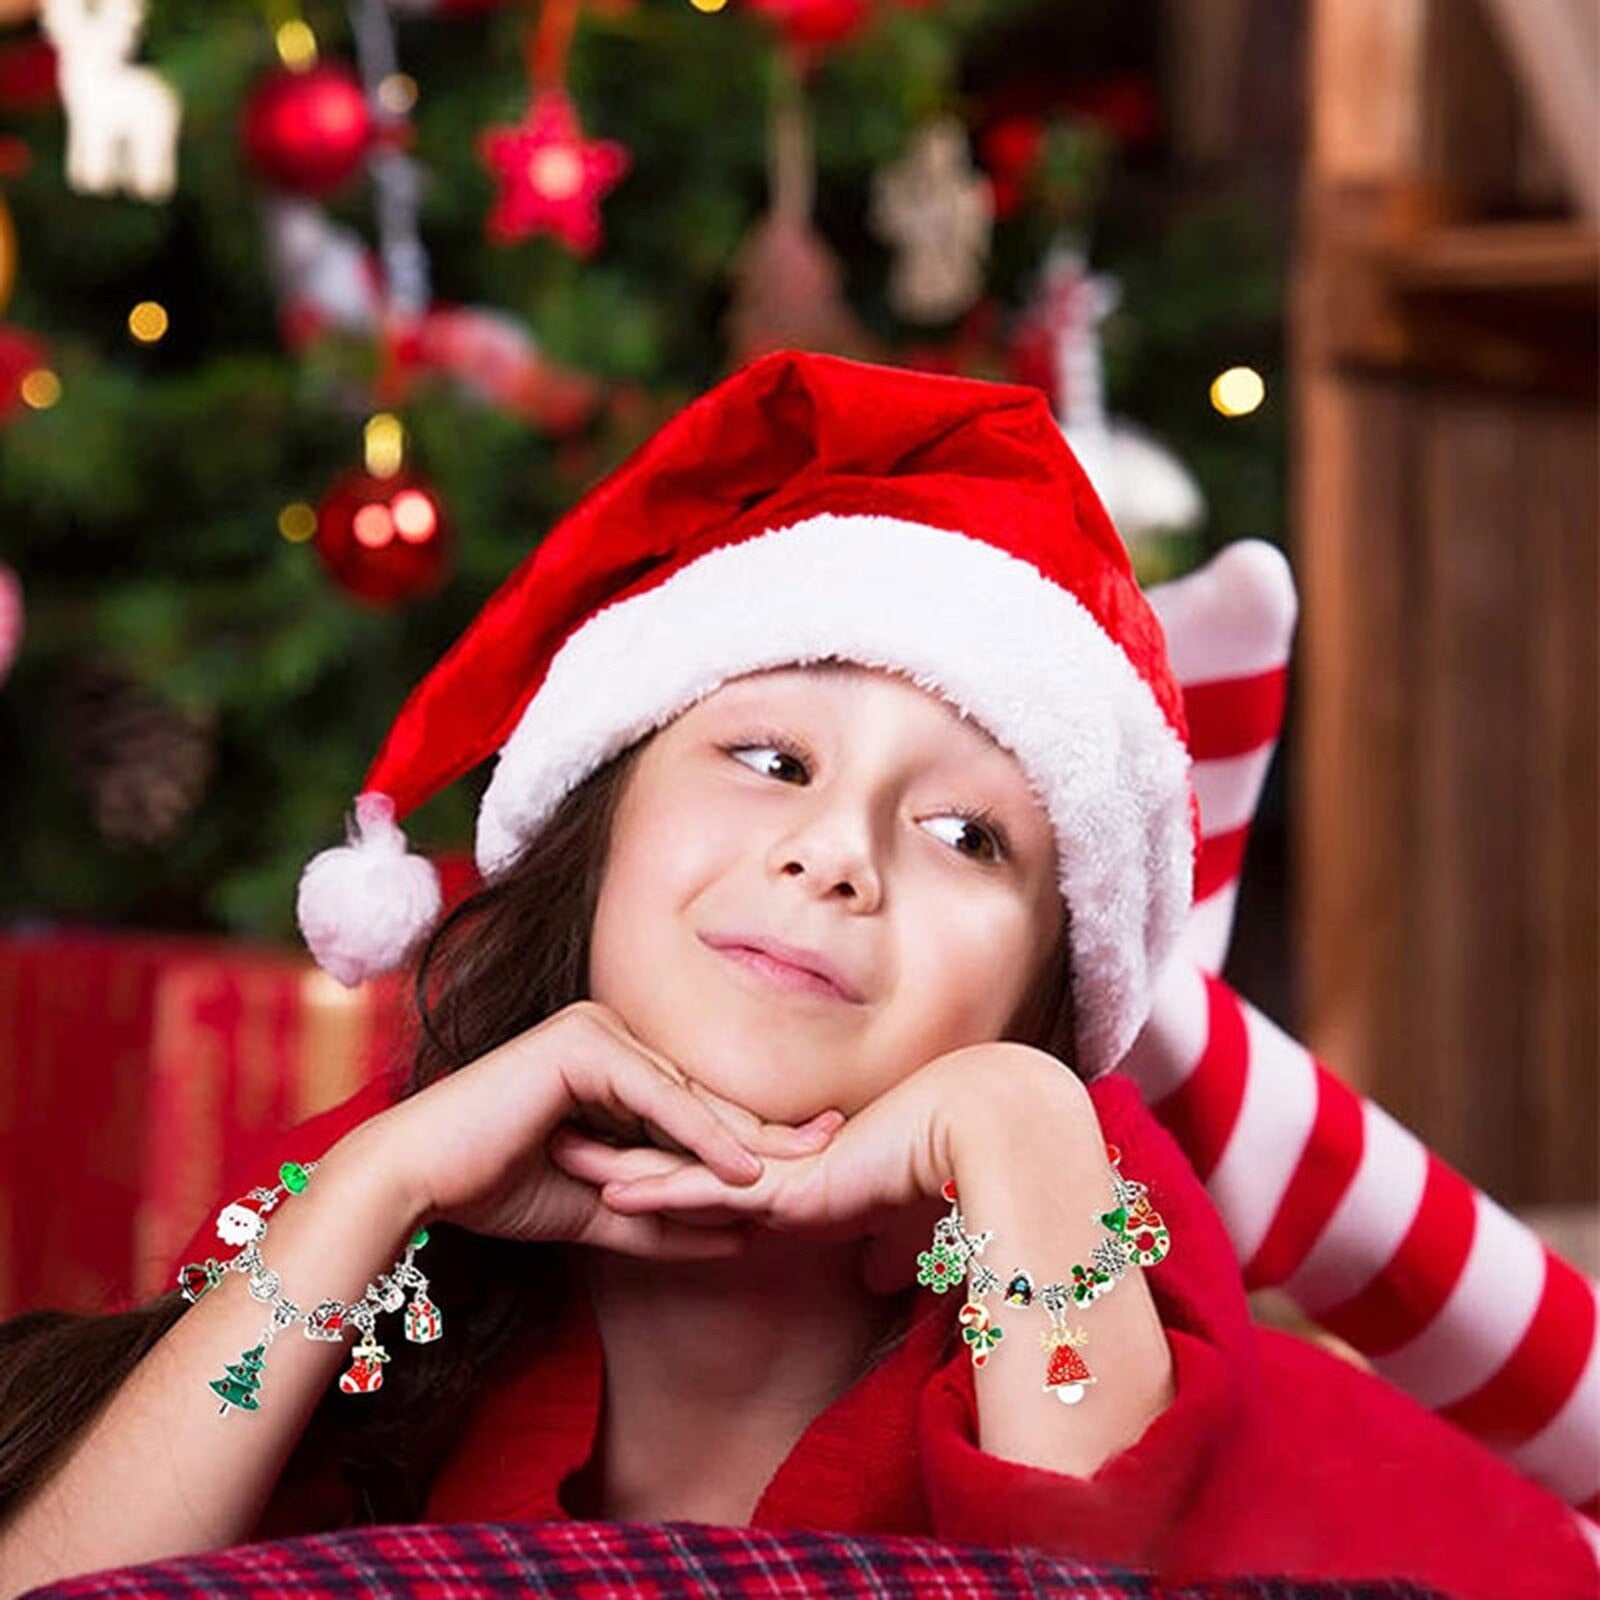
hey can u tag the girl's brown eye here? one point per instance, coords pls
(988, 841)
(737, 750)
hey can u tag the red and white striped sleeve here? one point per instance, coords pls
(1374, 1237)
(1322, 1192)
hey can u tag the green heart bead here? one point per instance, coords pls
(1116, 1221)
(419, 1238)
(293, 1176)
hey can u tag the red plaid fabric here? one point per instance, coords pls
(657, 1561)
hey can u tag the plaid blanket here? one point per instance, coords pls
(659, 1561)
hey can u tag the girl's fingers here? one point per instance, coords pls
(772, 1138)
(599, 1163)
(689, 1189)
(669, 1104)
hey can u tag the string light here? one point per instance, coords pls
(397, 93)
(297, 522)
(40, 389)
(297, 45)
(384, 440)
(147, 322)
(708, 6)
(1238, 391)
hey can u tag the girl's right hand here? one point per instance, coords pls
(471, 1149)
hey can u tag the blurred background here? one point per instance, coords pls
(316, 317)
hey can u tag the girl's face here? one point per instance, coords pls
(822, 807)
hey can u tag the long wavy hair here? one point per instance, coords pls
(508, 956)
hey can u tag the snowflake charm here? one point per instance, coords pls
(940, 1268)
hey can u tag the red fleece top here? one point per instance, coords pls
(1274, 1456)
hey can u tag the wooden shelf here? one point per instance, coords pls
(1498, 258)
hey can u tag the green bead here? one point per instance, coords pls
(293, 1176)
(1116, 1221)
(419, 1238)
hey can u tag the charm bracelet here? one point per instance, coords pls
(1135, 1236)
(244, 1223)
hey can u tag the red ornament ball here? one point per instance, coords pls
(383, 540)
(307, 132)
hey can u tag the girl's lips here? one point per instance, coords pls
(796, 980)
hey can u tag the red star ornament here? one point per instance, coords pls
(551, 179)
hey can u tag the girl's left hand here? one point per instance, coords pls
(880, 1176)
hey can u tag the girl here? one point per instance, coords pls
(840, 825)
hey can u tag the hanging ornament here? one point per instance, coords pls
(1148, 493)
(307, 132)
(551, 179)
(10, 619)
(938, 212)
(383, 539)
(122, 120)
(787, 283)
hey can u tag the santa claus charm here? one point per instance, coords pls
(240, 1223)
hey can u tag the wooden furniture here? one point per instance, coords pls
(1447, 524)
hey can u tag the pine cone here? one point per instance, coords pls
(142, 763)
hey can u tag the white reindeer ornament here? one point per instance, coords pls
(122, 120)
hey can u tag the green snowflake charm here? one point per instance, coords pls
(940, 1268)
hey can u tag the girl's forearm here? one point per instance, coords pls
(159, 1472)
(1038, 1177)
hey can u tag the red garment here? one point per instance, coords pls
(1274, 1456)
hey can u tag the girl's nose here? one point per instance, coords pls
(833, 855)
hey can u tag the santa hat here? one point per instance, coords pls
(810, 507)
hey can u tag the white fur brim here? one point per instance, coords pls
(984, 630)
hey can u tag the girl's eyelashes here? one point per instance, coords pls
(981, 817)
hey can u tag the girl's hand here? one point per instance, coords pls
(474, 1148)
(879, 1178)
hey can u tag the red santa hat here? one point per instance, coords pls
(811, 507)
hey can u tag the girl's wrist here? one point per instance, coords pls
(374, 1161)
(1012, 1099)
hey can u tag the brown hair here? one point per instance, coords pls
(508, 956)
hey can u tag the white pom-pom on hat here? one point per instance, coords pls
(363, 905)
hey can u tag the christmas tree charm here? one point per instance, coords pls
(1066, 1374)
(196, 1278)
(238, 1388)
(551, 179)
(423, 1323)
(366, 1368)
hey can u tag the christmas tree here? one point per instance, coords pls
(427, 271)
(242, 1381)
